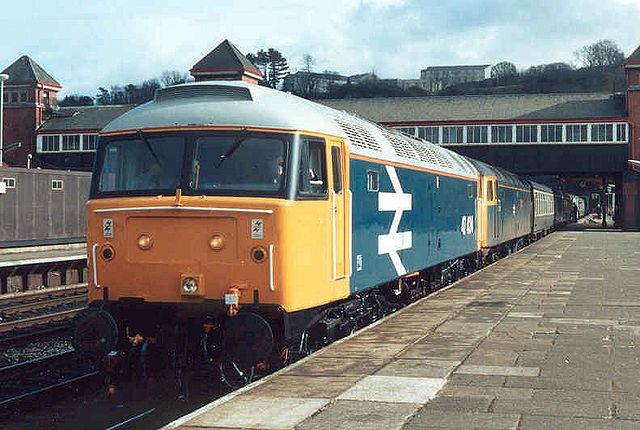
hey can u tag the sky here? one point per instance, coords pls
(86, 44)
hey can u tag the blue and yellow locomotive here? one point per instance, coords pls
(237, 222)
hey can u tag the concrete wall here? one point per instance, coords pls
(33, 213)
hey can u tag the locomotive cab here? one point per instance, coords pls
(238, 229)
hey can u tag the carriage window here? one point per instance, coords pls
(312, 172)
(373, 180)
(470, 193)
(336, 164)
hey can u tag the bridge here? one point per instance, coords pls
(583, 140)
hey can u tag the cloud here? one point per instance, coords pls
(90, 43)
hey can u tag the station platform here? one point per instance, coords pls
(547, 338)
(12, 257)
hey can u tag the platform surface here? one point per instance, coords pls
(11, 257)
(547, 338)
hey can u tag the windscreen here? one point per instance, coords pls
(145, 164)
(240, 163)
(224, 163)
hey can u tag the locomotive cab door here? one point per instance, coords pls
(492, 208)
(339, 201)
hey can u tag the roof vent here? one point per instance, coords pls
(216, 92)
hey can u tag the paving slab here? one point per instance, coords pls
(394, 389)
(547, 338)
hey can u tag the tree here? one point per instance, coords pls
(504, 69)
(603, 54)
(278, 68)
(76, 100)
(272, 64)
(103, 97)
(172, 77)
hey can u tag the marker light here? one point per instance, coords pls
(145, 242)
(258, 254)
(107, 252)
(216, 242)
(189, 285)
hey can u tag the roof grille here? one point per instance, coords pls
(426, 154)
(218, 92)
(401, 146)
(359, 136)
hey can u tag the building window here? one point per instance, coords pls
(56, 184)
(576, 132)
(5, 97)
(452, 135)
(14, 97)
(408, 130)
(602, 132)
(71, 142)
(477, 134)
(50, 143)
(621, 132)
(526, 133)
(89, 142)
(429, 133)
(23, 97)
(11, 182)
(501, 134)
(551, 133)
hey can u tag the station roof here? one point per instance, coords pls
(26, 71)
(503, 107)
(83, 118)
(225, 57)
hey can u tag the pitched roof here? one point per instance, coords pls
(224, 57)
(26, 71)
(634, 58)
(83, 118)
(508, 107)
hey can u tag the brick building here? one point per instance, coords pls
(29, 93)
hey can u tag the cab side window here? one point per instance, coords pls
(336, 162)
(490, 195)
(312, 174)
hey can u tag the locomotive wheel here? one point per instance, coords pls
(235, 375)
(248, 339)
(95, 332)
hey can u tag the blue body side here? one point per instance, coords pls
(441, 222)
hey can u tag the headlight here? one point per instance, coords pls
(145, 242)
(216, 242)
(189, 285)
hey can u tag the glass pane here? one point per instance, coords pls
(133, 165)
(337, 169)
(238, 163)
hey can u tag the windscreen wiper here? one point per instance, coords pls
(142, 137)
(236, 144)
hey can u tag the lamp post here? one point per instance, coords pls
(3, 77)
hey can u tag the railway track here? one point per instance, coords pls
(41, 308)
(35, 377)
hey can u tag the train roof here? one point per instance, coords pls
(502, 176)
(239, 104)
(540, 187)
